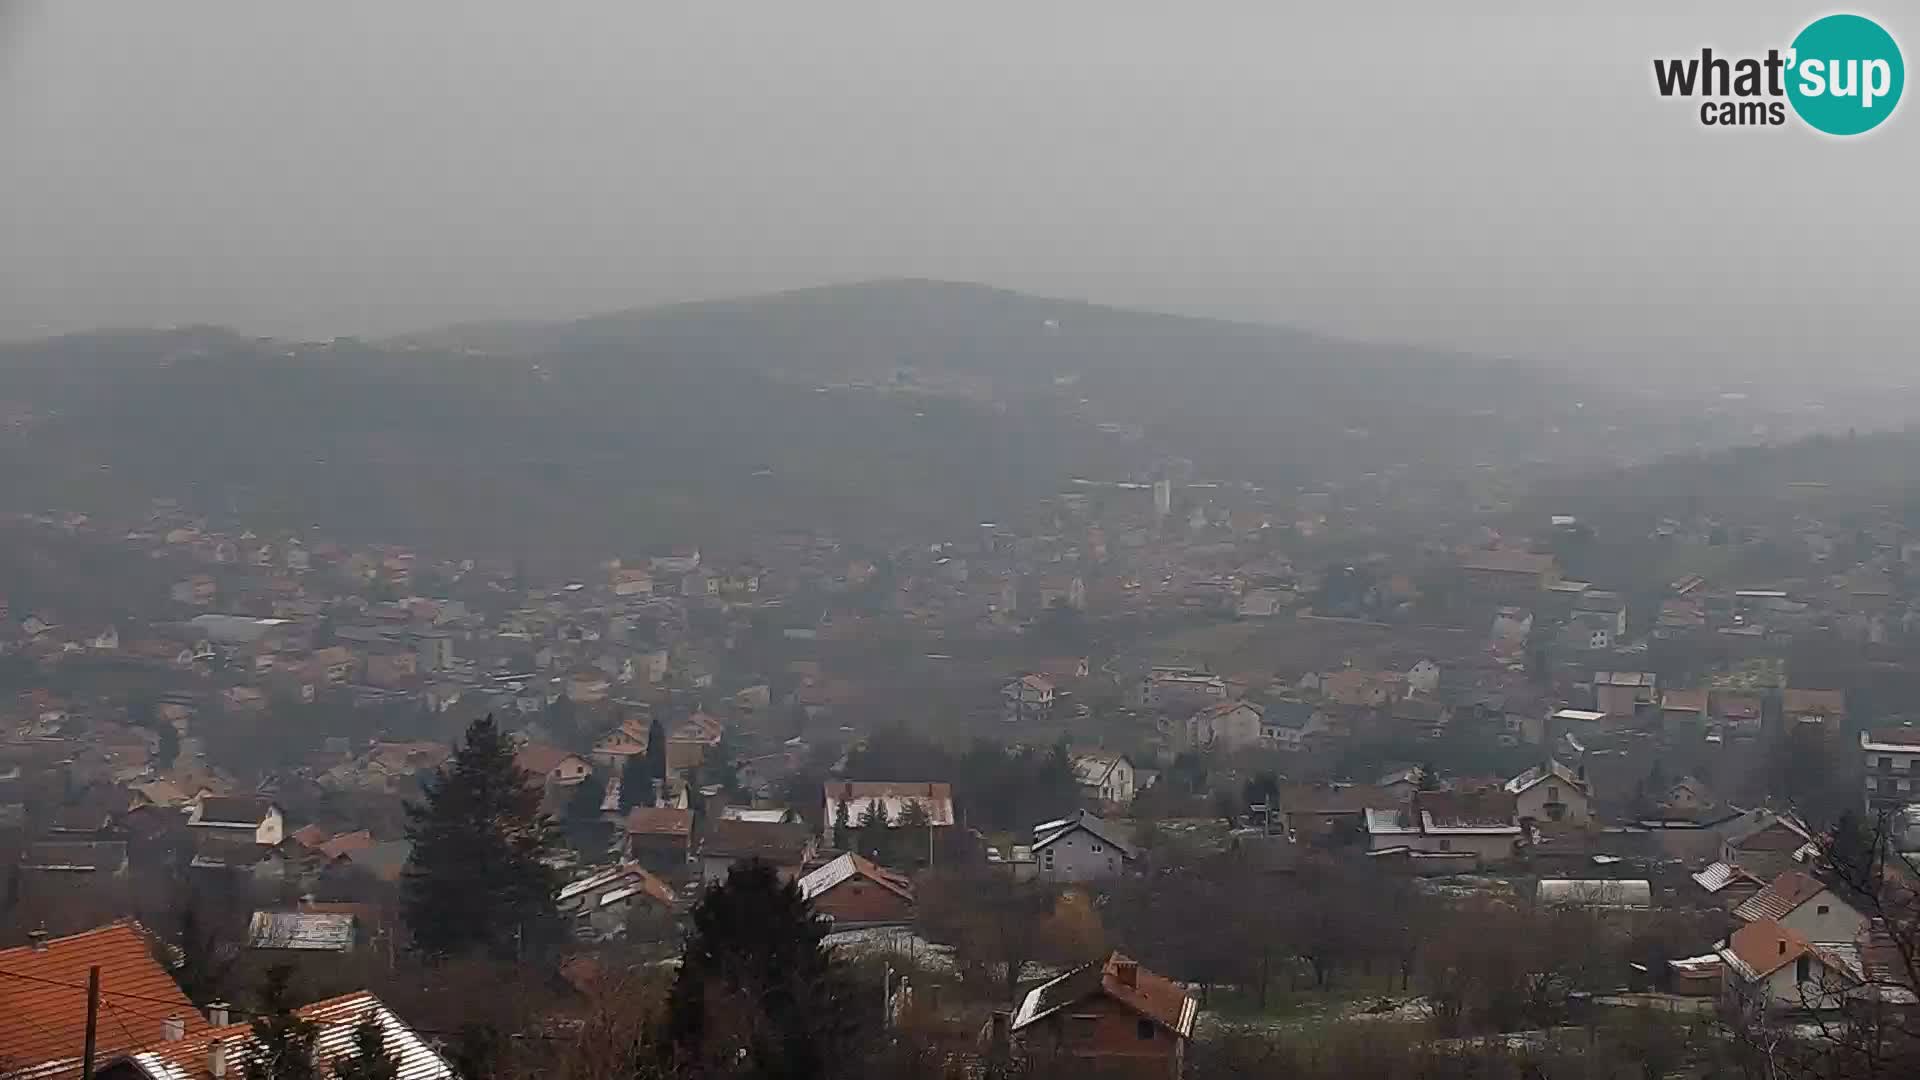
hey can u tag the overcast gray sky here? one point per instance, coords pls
(1505, 181)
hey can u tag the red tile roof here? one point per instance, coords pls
(1782, 896)
(43, 997)
(659, 821)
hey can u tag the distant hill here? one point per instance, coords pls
(1237, 395)
(882, 411)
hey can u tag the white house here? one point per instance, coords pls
(1771, 967)
(1552, 792)
(1029, 697)
(1801, 904)
(1423, 678)
(1893, 766)
(1107, 777)
(1230, 725)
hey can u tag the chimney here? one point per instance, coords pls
(217, 1014)
(173, 1028)
(999, 1041)
(39, 939)
(1127, 972)
(217, 1059)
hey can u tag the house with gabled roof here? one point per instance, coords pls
(43, 1004)
(1771, 967)
(1477, 828)
(1081, 848)
(235, 816)
(1112, 1015)
(856, 891)
(1106, 776)
(225, 1051)
(1805, 905)
(1728, 885)
(1552, 793)
(1767, 844)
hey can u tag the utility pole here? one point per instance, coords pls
(93, 1021)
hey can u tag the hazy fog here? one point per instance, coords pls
(1504, 182)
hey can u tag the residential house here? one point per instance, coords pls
(1229, 725)
(1684, 709)
(1423, 678)
(198, 590)
(391, 666)
(43, 1002)
(1359, 688)
(587, 685)
(1332, 814)
(1511, 627)
(846, 800)
(1291, 725)
(1766, 845)
(1740, 714)
(1081, 848)
(336, 664)
(1803, 904)
(1728, 885)
(1477, 828)
(552, 766)
(78, 861)
(1892, 767)
(1113, 1017)
(855, 891)
(1603, 609)
(1105, 776)
(1551, 793)
(660, 838)
(1623, 693)
(1166, 687)
(221, 1050)
(254, 818)
(601, 903)
(303, 931)
(1505, 572)
(727, 843)
(1029, 697)
(1771, 967)
(1824, 709)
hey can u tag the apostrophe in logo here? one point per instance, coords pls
(1846, 74)
(1842, 75)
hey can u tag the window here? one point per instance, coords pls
(1824, 909)
(1143, 1030)
(1046, 859)
(1803, 969)
(1553, 793)
(1096, 848)
(1886, 762)
(1446, 843)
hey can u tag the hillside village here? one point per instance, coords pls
(1148, 675)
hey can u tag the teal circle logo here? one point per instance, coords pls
(1845, 75)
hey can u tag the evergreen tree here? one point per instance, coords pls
(282, 1042)
(757, 994)
(656, 752)
(842, 827)
(478, 876)
(636, 788)
(912, 839)
(873, 828)
(369, 1059)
